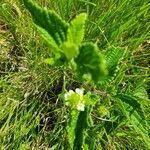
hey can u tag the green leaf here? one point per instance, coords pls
(141, 94)
(75, 36)
(71, 126)
(131, 109)
(47, 37)
(90, 99)
(113, 56)
(83, 122)
(70, 50)
(90, 61)
(75, 32)
(78, 123)
(49, 21)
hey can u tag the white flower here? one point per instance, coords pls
(79, 91)
(75, 99)
(68, 94)
(80, 106)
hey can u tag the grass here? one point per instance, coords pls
(32, 116)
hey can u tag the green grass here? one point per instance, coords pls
(32, 115)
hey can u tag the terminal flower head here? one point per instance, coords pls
(75, 99)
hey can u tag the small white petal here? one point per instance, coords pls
(80, 107)
(70, 92)
(79, 91)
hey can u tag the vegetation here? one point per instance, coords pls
(74, 74)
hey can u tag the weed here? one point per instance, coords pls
(36, 74)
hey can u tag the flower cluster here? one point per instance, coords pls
(78, 100)
(75, 99)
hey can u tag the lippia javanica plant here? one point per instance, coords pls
(68, 49)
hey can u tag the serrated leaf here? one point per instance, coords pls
(49, 21)
(71, 127)
(47, 37)
(141, 93)
(113, 55)
(75, 36)
(75, 32)
(90, 99)
(90, 61)
(131, 110)
(70, 50)
(82, 124)
(130, 100)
